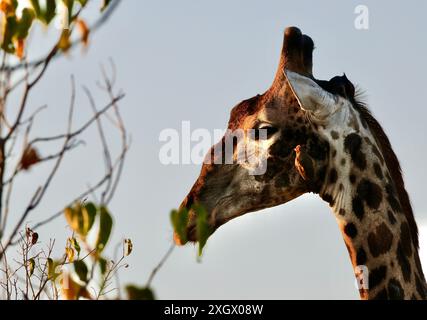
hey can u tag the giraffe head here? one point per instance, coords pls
(315, 136)
(282, 135)
(300, 124)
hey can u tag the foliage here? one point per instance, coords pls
(180, 221)
(82, 270)
(136, 293)
(18, 23)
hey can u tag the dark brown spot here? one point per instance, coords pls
(282, 180)
(321, 175)
(380, 240)
(405, 266)
(395, 290)
(392, 199)
(274, 166)
(382, 295)
(343, 161)
(358, 208)
(361, 257)
(370, 192)
(333, 176)
(353, 145)
(350, 230)
(353, 178)
(317, 148)
(335, 135)
(342, 212)
(376, 276)
(378, 171)
(406, 240)
(328, 198)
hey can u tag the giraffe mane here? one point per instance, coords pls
(391, 160)
(342, 86)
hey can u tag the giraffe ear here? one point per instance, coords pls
(310, 95)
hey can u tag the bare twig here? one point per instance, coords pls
(160, 265)
(38, 195)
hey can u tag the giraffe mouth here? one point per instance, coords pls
(192, 233)
(214, 222)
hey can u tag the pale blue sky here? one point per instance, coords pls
(194, 60)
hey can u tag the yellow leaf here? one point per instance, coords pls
(72, 218)
(70, 254)
(64, 42)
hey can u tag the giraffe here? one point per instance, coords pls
(321, 139)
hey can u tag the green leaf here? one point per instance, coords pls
(10, 27)
(203, 229)
(179, 220)
(31, 266)
(51, 269)
(89, 212)
(25, 23)
(49, 13)
(75, 245)
(81, 270)
(103, 264)
(105, 227)
(36, 7)
(137, 293)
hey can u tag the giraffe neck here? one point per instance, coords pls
(375, 230)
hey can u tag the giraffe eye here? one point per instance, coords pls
(269, 129)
